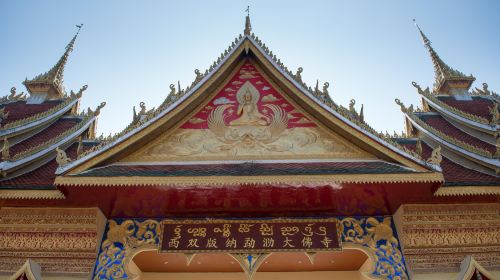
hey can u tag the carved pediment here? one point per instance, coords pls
(248, 119)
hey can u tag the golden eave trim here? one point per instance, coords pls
(31, 194)
(468, 190)
(428, 177)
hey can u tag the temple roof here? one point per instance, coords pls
(33, 129)
(463, 124)
(347, 122)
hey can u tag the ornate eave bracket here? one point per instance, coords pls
(373, 235)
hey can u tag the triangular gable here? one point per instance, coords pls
(248, 119)
(359, 142)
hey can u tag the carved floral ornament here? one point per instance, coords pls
(373, 235)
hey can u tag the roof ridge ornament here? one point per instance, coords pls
(442, 72)
(436, 157)
(248, 25)
(61, 157)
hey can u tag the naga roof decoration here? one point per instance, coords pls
(443, 72)
(12, 97)
(242, 46)
(53, 78)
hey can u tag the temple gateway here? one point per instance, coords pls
(250, 173)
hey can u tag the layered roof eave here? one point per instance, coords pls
(295, 180)
(23, 160)
(467, 190)
(31, 194)
(492, 162)
(38, 119)
(238, 47)
(463, 117)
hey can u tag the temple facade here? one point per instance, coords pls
(250, 173)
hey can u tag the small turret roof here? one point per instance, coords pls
(55, 76)
(442, 71)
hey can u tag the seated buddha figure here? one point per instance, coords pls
(248, 111)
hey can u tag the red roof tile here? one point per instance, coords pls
(439, 123)
(41, 177)
(50, 132)
(455, 174)
(478, 106)
(20, 110)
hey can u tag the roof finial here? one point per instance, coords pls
(426, 40)
(248, 25)
(55, 75)
(442, 71)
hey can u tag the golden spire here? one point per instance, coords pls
(51, 81)
(248, 25)
(442, 72)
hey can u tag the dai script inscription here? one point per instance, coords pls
(250, 236)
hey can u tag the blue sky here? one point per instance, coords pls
(131, 51)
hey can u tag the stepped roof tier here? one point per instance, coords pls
(459, 180)
(34, 127)
(464, 125)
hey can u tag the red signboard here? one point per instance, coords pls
(250, 236)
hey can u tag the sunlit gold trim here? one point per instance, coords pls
(31, 194)
(249, 180)
(468, 190)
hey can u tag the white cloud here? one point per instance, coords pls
(269, 98)
(222, 100)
